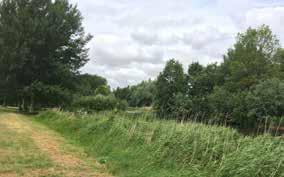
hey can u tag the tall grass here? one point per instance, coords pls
(146, 147)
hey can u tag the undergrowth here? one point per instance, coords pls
(145, 147)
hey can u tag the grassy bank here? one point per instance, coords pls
(149, 148)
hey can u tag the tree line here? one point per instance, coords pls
(42, 48)
(246, 89)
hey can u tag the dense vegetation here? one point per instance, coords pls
(140, 95)
(144, 146)
(43, 46)
(245, 90)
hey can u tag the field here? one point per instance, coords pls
(141, 146)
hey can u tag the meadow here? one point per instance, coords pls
(143, 146)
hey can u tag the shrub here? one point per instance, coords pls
(103, 90)
(98, 103)
(122, 105)
(266, 100)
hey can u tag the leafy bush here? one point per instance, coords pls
(98, 103)
(230, 107)
(249, 108)
(170, 82)
(122, 105)
(103, 90)
(140, 95)
(266, 99)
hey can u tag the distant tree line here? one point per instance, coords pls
(247, 88)
(140, 95)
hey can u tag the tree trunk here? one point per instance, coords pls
(19, 105)
(23, 105)
(31, 109)
(4, 102)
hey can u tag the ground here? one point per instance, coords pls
(29, 149)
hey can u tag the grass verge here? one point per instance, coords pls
(145, 147)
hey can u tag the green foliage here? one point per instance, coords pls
(95, 103)
(148, 147)
(249, 108)
(41, 41)
(251, 58)
(229, 107)
(170, 82)
(182, 106)
(278, 61)
(103, 90)
(48, 95)
(255, 157)
(140, 95)
(201, 80)
(266, 99)
(238, 91)
(122, 105)
(123, 93)
(87, 84)
(99, 103)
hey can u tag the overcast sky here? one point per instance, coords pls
(134, 38)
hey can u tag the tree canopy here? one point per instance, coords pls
(244, 90)
(42, 45)
(170, 83)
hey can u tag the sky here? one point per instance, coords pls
(133, 39)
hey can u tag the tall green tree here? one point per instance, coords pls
(41, 42)
(123, 93)
(170, 83)
(266, 100)
(251, 58)
(201, 83)
(86, 84)
(201, 80)
(278, 61)
(143, 94)
(140, 95)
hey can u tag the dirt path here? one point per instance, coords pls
(67, 161)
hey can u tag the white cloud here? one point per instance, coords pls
(272, 16)
(134, 38)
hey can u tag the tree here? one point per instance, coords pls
(201, 83)
(123, 93)
(139, 95)
(103, 90)
(228, 107)
(251, 58)
(142, 94)
(87, 84)
(170, 82)
(278, 61)
(41, 41)
(266, 100)
(99, 103)
(201, 80)
(194, 70)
